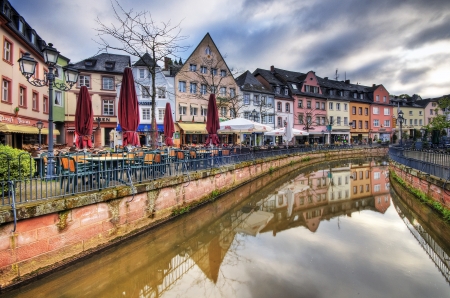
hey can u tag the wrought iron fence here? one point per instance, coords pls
(84, 172)
(436, 163)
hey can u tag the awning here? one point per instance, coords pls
(194, 104)
(193, 128)
(183, 104)
(14, 128)
(141, 127)
(44, 131)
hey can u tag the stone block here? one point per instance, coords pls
(25, 238)
(37, 222)
(32, 250)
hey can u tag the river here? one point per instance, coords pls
(331, 230)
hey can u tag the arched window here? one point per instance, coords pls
(208, 50)
(279, 106)
(288, 107)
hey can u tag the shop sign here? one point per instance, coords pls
(176, 135)
(102, 119)
(6, 119)
(23, 121)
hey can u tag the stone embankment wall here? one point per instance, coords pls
(431, 186)
(52, 233)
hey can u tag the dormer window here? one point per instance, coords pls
(21, 26)
(294, 86)
(330, 92)
(109, 64)
(89, 63)
(7, 10)
(33, 38)
(341, 93)
(355, 95)
(286, 91)
(208, 50)
(361, 96)
(277, 90)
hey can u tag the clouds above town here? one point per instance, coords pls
(401, 44)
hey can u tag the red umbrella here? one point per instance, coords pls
(83, 119)
(212, 121)
(169, 128)
(128, 110)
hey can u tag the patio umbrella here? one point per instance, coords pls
(212, 121)
(242, 125)
(83, 119)
(289, 134)
(128, 111)
(282, 132)
(168, 125)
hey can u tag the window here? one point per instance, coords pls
(318, 120)
(345, 107)
(338, 120)
(277, 90)
(355, 189)
(286, 91)
(45, 105)
(420, 121)
(308, 104)
(146, 114)
(208, 51)
(366, 124)
(108, 107)
(288, 107)
(366, 111)
(415, 121)
(269, 102)
(378, 98)
(341, 93)
(361, 96)
(376, 122)
(34, 101)
(345, 121)
(59, 72)
(360, 124)
(213, 89)
(376, 187)
(376, 175)
(330, 106)
(256, 101)
(330, 92)
(375, 110)
(22, 96)
(246, 98)
(354, 110)
(232, 113)
(294, 86)
(183, 110)
(410, 122)
(223, 111)
(204, 111)
(203, 89)
(223, 91)
(331, 120)
(141, 73)
(58, 98)
(203, 69)
(193, 67)
(161, 113)
(410, 113)
(387, 111)
(194, 111)
(355, 95)
(270, 119)
(107, 83)
(7, 51)
(223, 73)
(338, 106)
(145, 91)
(279, 106)
(300, 103)
(232, 92)
(214, 71)
(182, 86)
(84, 81)
(317, 105)
(387, 123)
(384, 98)
(246, 115)
(300, 118)
(420, 113)
(359, 111)
(279, 122)
(161, 92)
(323, 121)
(193, 88)
(322, 105)
(6, 90)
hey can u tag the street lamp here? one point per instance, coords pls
(27, 66)
(400, 121)
(39, 126)
(254, 114)
(323, 136)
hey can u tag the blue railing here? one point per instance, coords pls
(436, 163)
(82, 172)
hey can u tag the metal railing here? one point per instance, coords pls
(436, 163)
(84, 172)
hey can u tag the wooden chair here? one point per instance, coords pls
(152, 164)
(71, 170)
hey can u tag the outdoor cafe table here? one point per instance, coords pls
(111, 165)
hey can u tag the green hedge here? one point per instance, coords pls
(17, 170)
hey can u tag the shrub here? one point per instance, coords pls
(21, 165)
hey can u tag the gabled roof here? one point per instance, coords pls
(248, 82)
(105, 62)
(288, 76)
(268, 76)
(146, 60)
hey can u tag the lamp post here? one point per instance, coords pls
(27, 66)
(254, 114)
(323, 136)
(39, 126)
(400, 120)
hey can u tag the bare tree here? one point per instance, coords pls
(136, 34)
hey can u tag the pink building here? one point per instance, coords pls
(381, 121)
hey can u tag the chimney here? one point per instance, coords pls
(347, 81)
(272, 69)
(167, 62)
(374, 85)
(325, 78)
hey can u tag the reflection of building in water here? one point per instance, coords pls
(338, 183)
(380, 186)
(360, 185)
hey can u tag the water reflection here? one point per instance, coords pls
(217, 242)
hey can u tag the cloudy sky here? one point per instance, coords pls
(402, 44)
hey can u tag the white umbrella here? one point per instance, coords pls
(288, 133)
(281, 132)
(242, 125)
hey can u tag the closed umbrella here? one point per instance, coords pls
(128, 111)
(289, 134)
(212, 121)
(83, 119)
(168, 125)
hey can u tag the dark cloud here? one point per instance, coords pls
(412, 75)
(433, 34)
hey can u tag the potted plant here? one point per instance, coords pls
(16, 110)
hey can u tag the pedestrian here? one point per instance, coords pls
(111, 138)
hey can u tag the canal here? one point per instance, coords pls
(330, 230)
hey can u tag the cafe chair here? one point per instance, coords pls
(71, 170)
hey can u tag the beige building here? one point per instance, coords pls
(100, 74)
(203, 73)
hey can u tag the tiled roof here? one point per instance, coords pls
(272, 80)
(146, 60)
(247, 82)
(104, 62)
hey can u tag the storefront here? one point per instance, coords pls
(191, 134)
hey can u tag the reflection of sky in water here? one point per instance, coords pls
(352, 251)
